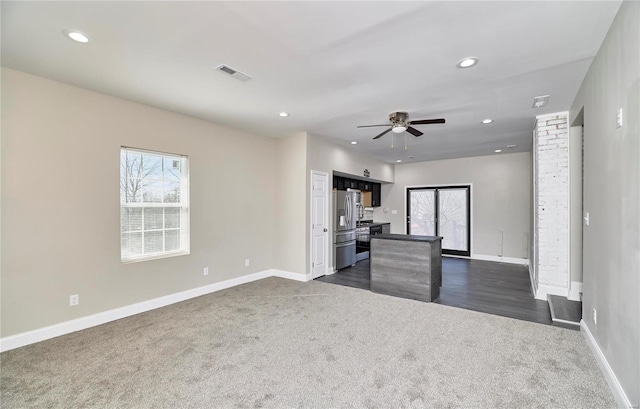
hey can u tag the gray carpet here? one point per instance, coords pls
(280, 343)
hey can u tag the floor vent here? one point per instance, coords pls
(240, 76)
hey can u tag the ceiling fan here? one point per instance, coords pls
(399, 123)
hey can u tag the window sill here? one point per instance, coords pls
(155, 257)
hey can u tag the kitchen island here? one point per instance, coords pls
(406, 266)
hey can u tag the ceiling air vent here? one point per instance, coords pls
(240, 76)
(540, 101)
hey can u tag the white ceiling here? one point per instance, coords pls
(332, 65)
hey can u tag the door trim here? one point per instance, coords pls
(329, 232)
(436, 188)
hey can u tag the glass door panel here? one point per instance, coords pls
(453, 219)
(422, 212)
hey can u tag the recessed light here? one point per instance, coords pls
(498, 150)
(76, 36)
(399, 160)
(487, 121)
(283, 114)
(354, 142)
(467, 62)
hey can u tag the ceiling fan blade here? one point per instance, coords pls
(382, 134)
(427, 121)
(369, 126)
(413, 131)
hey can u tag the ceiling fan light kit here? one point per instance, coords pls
(398, 128)
(400, 123)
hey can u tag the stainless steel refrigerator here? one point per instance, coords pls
(345, 213)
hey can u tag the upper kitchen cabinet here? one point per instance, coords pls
(364, 185)
(351, 183)
(342, 183)
(338, 183)
(375, 195)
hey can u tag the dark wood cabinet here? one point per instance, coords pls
(347, 183)
(375, 195)
(342, 183)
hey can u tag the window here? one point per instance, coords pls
(154, 212)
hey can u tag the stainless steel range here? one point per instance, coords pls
(363, 236)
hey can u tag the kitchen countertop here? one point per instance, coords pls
(369, 224)
(406, 237)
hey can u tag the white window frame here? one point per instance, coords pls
(183, 205)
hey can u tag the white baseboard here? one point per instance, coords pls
(544, 290)
(618, 393)
(510, 260)
(289, 275)
(67, 327)
(574, 291)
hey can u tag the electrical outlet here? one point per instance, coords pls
(206, 271)
(595, 316)
(247, 262)
(393, 211)
(74, 300)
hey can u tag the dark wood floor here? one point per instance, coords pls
(485, 286)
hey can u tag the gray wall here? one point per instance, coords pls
(501, 198)
(611, 265)
(291, 189)
(60, 202)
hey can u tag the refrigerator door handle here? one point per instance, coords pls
(347, 209)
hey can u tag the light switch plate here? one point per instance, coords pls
(586, 218)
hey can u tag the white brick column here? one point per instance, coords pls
(551, 205)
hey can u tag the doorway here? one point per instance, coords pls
(442, 211)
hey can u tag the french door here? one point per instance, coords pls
(441, 211)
